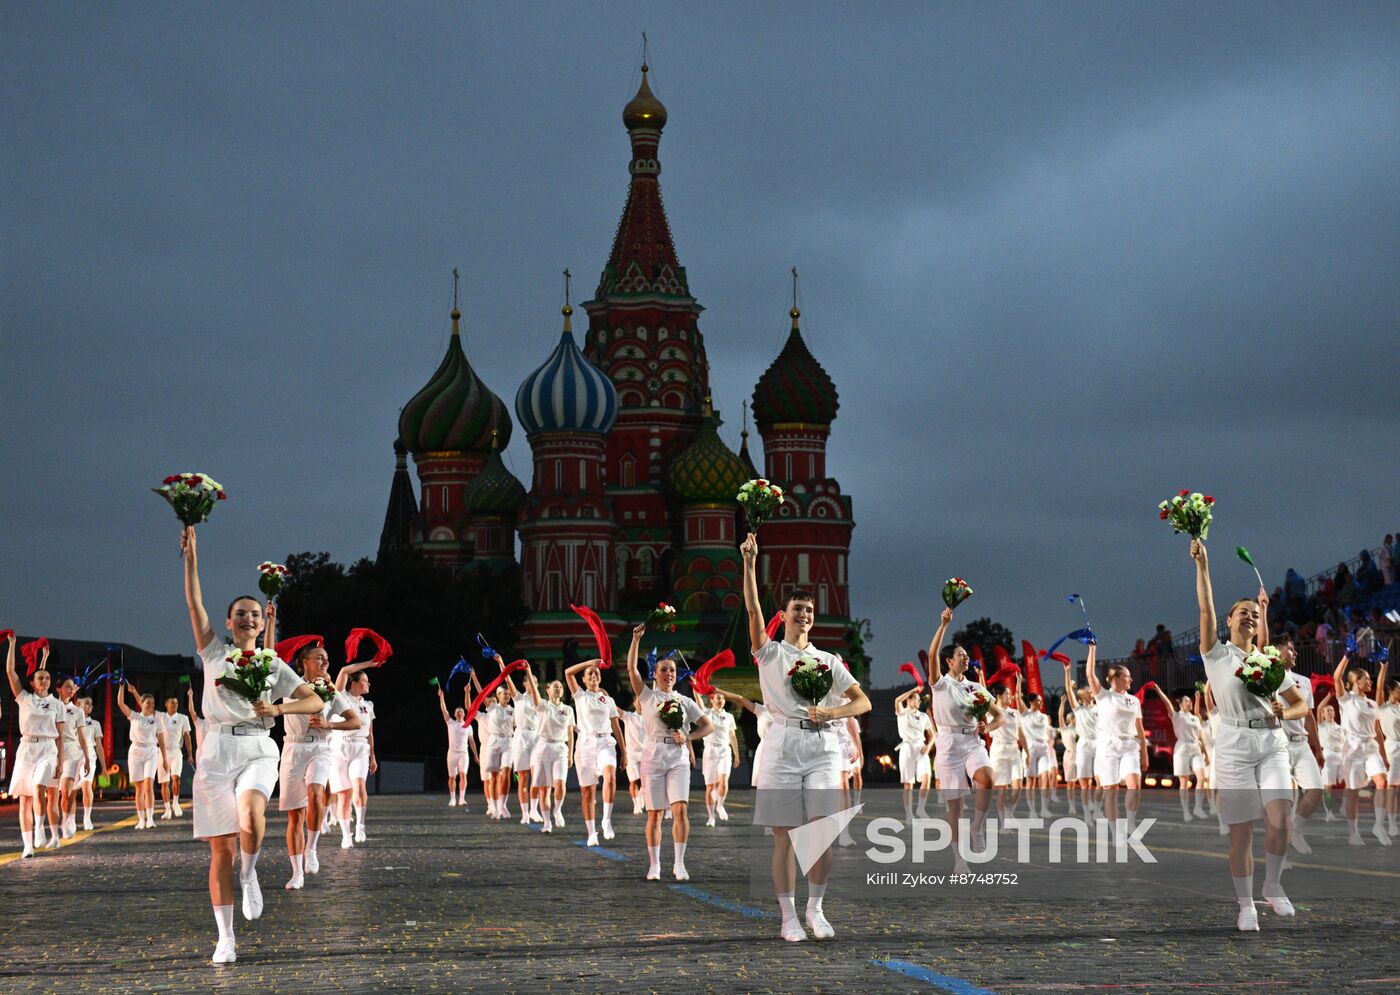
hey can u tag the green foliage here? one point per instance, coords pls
(984, 634)
(430, 615)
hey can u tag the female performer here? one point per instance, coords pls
(92, 732)
(1120, 748)
(665, 767)
(495, 754)
(1040, 753)
(1086, 724)
(553, 750)
(237, 766)
(75, 757)
(915, 740)
(1069, 762)
(356, 759)
(1188, 754)
(308, 755)
(1008, 768)
(522, 750)
(1333, 742)
(1361, 756)
(595, 747)
(40, 753)
(1388, 718)
(147, 738)
(721, 756)
(1251, 751)
(170, 765)
(461, 747)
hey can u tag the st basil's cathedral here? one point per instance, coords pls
(632, 495)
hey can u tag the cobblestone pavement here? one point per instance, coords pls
(442, 900)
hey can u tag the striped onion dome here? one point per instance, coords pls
(795, 389)
(707, 470)
(567, 393)
(495, 490)
(455, 411)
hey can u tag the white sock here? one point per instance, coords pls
(360, 816)
(344, 826)
(654, 855)
(1185, 810)
(710, 808)
(589, 825)
(1380, 814)
(814, 896)
(1352, 825)
(311, 839)
(607, 812)
(680, 853)
(28, 840)
(788, 904)
(1244, 890)
(1273, 870)
(298, 864)
(250, 864)
(978, 818)
(223, 915)
(87, 813)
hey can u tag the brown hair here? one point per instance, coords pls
(798, 594)
(1242, 601)
(241, 597)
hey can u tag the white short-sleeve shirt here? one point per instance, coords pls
(1086, 721)
(224, 707)
(1231, 698)
(1036, 727)
(1330, 735)
(651, 700)
(145, 729)
(1188, 730)
(1299, 727)
(459, 736)
(1358, 714)
(1118, 713)
(776, 658)
(594, 712)
(632, 731)
(552, 722)
(93, 730)
(526, 717)
(498, 719)
(911, 730)
(39, 718)
(1006, 737)
(176, 726)
(952, 696)
(300, 725)
(724, 726)
(73, 720)
(1388, 716)
(364, 708)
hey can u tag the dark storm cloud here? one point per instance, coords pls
(1060, 260)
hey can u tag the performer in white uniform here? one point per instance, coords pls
(308, 757)
(1329, 733)
(1120, 741)
(1188, 753)
(522, 749)
(1362, 762)
(75, 757)
(1008, 765)
(595, 746)
(1040, 753)
(461, 747)
(1304, 746)
(800, 777)
(553, 750)
(1251, 752)
(237, 764)
(763, 723)
(665, 767)
(356, 759)
(721, 756)
(1086, 725)
(634, 733)
(40, 753)
(915, 740)
(1069, 735)
(495, 754)
(171, 762)
(147, 740)
(1388, 718)
(92, 733)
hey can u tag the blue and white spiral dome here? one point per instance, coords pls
(567, 393)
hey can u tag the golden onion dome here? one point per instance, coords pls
(644, 110)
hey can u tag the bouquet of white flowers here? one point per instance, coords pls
(1188, 512)
(671, 713)
(251, 672)
(192, 495)
(760, 499)
(1262, 672)
(811, 679)
(271, 578)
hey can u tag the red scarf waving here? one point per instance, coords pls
(382, 649)
(1141, 693)
(912, 671)
(287, 649)
(700, 680)
(490, 688)
(31, 653)
(600, 635)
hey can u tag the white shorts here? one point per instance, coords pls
(1187, 760)
(36, 763)
(1084, 761)
(1250, 769)
(1070, 766)
(170, 765)
(801, 776)
(925, 768)
(1007, 766)
(1305, 769)
(228, 766)
(458, 761)
(1361, 762)
(141, 762)
(1115, 761)
(665, 771)
(495, 754)
(1331, 768)
(909, 754)
(717, 764)
(634, 765)
(303, 764)
(549, 762)
(351, 764)
(91, 768)
(593, 754)
(72, 767)
(1392, 757)
(1042, 760)
(960, 756)
(522, 749)
(757, 763)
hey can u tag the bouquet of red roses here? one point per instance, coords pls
(192, 495)
(324, 689)
(271, 578)
(1189, 512)
(979, 704)
(250, 672)
(811, 679)
(662, 618)
(671, 713)
(955, 592)
(1262, 672)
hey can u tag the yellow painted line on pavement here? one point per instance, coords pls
(82, 834)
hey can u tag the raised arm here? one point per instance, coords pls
(442, 706)
(342, 677)
(1016, 699)
(1069, 689)
(15, 686)
(758, 631)
(194, 596)
(509, 682)
(1089, 667)
(532, 687)
(189, 701)
(270, 629)
(1261, 634)
(736, 699)
(121, 702)
(1339, 675)
(1171, 706)
(578, 668)
(1380, 684)
(935, 664)
(634, 676)
(1205, 597)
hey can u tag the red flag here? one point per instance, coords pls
(1032, 662)
(912, 671)
(31, 653)
(1006, 674)
(600, 634)
(774, 624)
(700, 680)
(1059, 658)
(382, 649)
(1320, 681)
(1003, 658)
(490, 688)
(287, 649)
(1141, 693)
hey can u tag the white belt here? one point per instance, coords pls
(600, 735)
(808, 724)
(959, 730)
(1267, 722)
(243, 730)
(27, 738)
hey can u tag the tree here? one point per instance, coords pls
(984, 634)
(429, 613)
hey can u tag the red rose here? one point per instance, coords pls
(1164, 514)
(1239, 671)
(1209, 499)
(1185, 493)
(222, 496)
(822, 666)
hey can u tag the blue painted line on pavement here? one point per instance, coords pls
(601, 851)
(948, 983)
(723, 903)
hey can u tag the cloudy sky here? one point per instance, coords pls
(1060, 260)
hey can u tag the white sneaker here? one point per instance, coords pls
(345, 843)
(165, 815)
(1186, 816)
(525, 818)
(28, 852)
(252, 898)
(296, 883)
(548, 827)
(224, 953)
(680, 872)
(178, 810)
(1199, 813)
(592, 839)
(54, 842)
(1045, 811)
(359, 834)
(87, 825)
(313, 863)
(608, 831)
(654, 872)
(1248, 921)
(559, 816)
(719, 811)
(792, 931)
(668, 813)
(1281, 905)
(845, 839)
(1355, 840)
(637, 807)
(816, 922)
(1299, 843)
(710, 821)
(451, 803)
(1329, 817)
(1224, 829)
(1381, 835)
